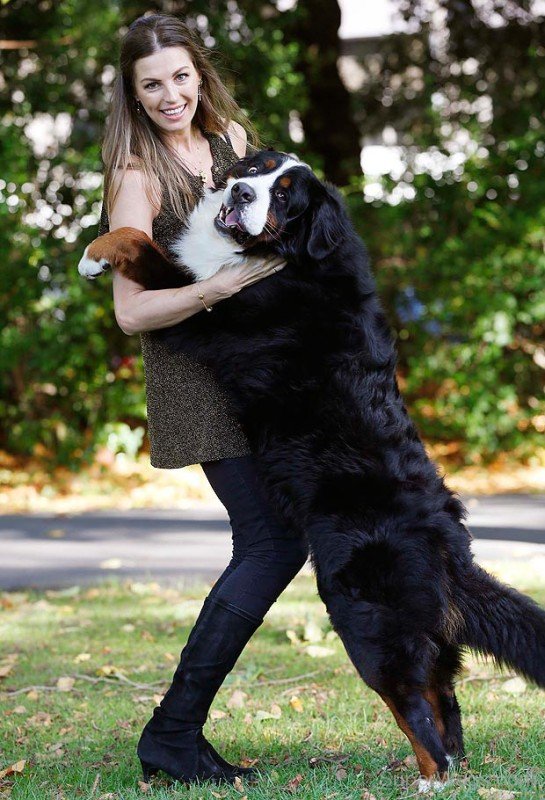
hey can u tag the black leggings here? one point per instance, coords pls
(266, 556)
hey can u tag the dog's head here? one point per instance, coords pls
(274, 199)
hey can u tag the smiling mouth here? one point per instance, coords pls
(173, 113)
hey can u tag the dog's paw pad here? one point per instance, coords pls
(91, 269)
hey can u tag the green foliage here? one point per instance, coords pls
(460, 265)
(464, 272)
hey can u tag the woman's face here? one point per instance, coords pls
(166, 83)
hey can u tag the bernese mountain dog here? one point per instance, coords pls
(308, 360)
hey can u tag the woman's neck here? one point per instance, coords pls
(185, 141)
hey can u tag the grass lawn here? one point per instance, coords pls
(294, 704)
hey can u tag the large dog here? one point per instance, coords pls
(308, 360)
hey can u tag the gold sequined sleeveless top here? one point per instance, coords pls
(189, 417)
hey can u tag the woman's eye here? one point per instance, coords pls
(182, 75)
(252, 170)
(150, 85)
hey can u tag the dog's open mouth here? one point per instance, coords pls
(229, 221)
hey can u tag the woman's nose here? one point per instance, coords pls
(171, 92)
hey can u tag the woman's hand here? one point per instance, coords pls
(229, 280)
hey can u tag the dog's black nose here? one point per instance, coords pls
(242, 193)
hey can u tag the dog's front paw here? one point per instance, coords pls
(91, 269)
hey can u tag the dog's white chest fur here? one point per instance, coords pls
(201, 248)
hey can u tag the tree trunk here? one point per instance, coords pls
(328, 123)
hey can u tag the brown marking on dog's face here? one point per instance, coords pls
(285, 182)
(270, 163)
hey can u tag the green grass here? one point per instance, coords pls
(81, 743)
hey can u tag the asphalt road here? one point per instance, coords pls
(53, 551)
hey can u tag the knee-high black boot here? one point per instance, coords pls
(172, 740)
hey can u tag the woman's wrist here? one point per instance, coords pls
(212, 291)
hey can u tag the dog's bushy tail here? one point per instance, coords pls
(503, 623)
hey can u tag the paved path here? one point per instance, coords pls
(53, 551)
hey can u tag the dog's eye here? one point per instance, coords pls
(281, 196)
(252, 170)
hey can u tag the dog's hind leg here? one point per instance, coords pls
(448, 666)
(416, 717)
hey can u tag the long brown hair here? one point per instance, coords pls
(133, 140)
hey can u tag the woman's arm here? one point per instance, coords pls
(137, 309)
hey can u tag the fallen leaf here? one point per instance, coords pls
(366, 795)
(312, 632)
(296, 704)
(33, 695)
(19, 710)
(317, 651)
(5, 670)
(109, 671)
(261, 715)
(496, 794)
(238, 785)
(14, 769)
(294, 784)
(237, 699)
(82, 657)
(217, 714)
(514, 686)
(341, 774)
(40, 718)
(65, 684)
(143, 786)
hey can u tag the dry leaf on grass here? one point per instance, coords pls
(14, 769)
(217, 714)
(20, 710)
(109, 671)
(274, 713)
(40, 718)
(341, 774)
(238, 785)
(294, 784)
(237, 699)
(317, 651)
(514, 686)
(296, 704)
(82, 657)
(65, 684)
(313, 632)
(366, 795)
(143, 786)
(496, 794)
(8, 662)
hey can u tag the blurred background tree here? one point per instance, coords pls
(455, 226)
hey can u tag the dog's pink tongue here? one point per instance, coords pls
(232, 217)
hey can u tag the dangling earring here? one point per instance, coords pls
(138, 107)
(199, 93)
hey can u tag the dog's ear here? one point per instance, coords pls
(329, 222)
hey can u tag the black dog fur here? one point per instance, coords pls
(308, 360)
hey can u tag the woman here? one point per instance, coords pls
(172, 130)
